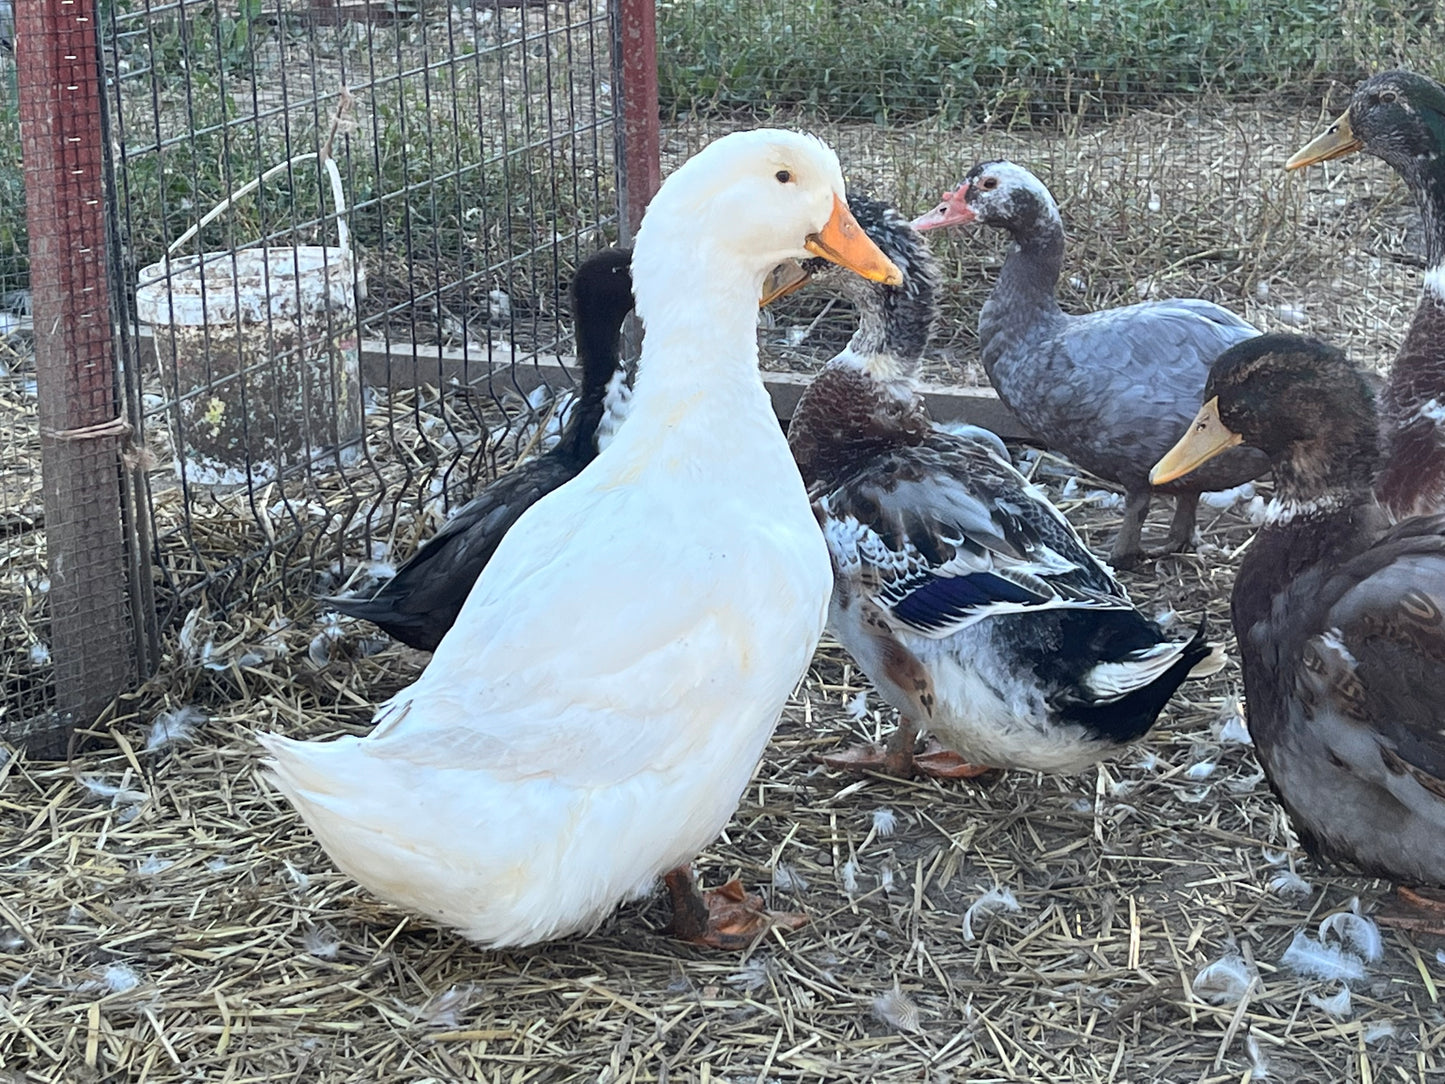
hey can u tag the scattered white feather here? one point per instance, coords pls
(1227, 498)
(114, 978)
(858, 706)
(992, 902)
(848, 876)
(1167, 618)
(1380, 1029)
(1306, 956)
(885, 821)
(1257, 511)
(153, 864)
(321, 942)
(1105, 498)
(787, 879)
(1232, 728)
(117, 795)
(1261, 290)
(447, 1009)
(1337, 1004)
(298, 877)
(1071, 488)
(1258, 1063)
(885, 877)
(1224, 981)
(1274, 858)
(894, 1008)
(11, 941)
(1292, 315)
(174, 727)
(1203, 770)
(1148, 762)
(39, 653)
(215, 865)
(1355, 932)
(1289, 883)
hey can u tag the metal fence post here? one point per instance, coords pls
(634, 62)
(63, 151)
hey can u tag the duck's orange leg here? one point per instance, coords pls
(899, 758)
(725, 918)
(1420, 910)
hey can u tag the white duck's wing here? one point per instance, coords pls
(944, 534)
(563, 663)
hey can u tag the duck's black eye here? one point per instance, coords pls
(784, 176)
(989, 184)
(1387, 96)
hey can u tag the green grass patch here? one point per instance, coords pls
(1019, 61)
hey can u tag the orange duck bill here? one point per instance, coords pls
(843, 242)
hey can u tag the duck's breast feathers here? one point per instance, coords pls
(943, 535)
(1380, 659)
(657, 618)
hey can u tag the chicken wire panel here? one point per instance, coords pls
(317, 389)
(26, 671)
(1161, 128)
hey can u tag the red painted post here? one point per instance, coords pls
(62, 144)
(640, 170)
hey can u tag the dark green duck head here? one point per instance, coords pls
(1400, 117)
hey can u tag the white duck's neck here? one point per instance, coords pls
(699, 363)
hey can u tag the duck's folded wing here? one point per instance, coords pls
(942, 536)
(592, 656)
(1381, 661)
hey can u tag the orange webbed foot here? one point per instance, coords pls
(933, 761)
(728, 918)
(1419, 910)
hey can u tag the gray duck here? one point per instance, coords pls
(1112, 389)
(1338, 613)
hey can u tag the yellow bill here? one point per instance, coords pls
(1336, 141)
(1206, 438)
(783, 280)
(843, 241)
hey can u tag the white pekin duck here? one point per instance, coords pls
(593, 716)
(962, 593)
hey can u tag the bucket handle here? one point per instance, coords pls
(337, 195)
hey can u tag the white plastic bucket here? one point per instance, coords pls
(258, 349)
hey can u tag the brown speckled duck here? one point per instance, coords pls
(1400, 116)
(1337, 612)
(963, 594)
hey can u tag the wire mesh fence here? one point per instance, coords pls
(340, 236)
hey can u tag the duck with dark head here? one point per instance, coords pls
(1400, 117)
(1337, 613)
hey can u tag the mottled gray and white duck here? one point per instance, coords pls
(421, 602)
(1112, 389)
(1337, 612)
(962, 593)
(1400, 116)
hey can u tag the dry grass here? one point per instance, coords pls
(166, 917)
